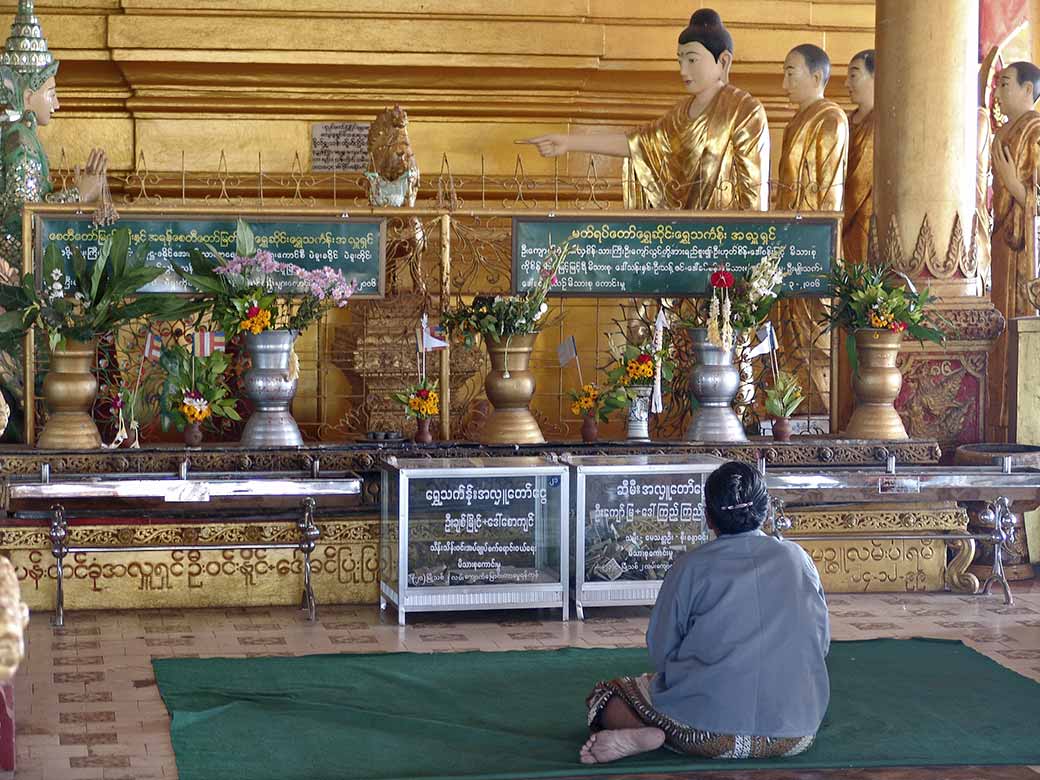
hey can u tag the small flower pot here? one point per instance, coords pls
(781, 429)
(193, 434)
(589, 429)
(423, 435)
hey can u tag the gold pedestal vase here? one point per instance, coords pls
(876, 384)
(510, 387)
(69, 390)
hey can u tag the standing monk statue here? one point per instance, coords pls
(859, 181)
(710, 152)
(1015, 159)
(812, 178)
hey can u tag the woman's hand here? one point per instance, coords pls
(552, 145)
(91, 181)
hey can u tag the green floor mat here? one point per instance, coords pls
(522, 715)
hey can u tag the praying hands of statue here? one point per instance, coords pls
(1004, 167)
(90, 181)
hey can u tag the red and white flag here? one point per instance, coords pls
(206, 342)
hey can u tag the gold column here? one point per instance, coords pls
(924, 195)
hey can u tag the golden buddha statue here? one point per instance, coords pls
(1015, 158)
(711, 151)
(811, 178)
(859, 181)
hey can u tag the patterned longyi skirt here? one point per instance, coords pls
(635, 692)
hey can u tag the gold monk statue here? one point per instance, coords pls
(1015, 158)
(811, 178)
(711, 151)
(859, 181)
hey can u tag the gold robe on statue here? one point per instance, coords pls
(718, 160)
(859, 189)
(813, 160)
(1013, 254)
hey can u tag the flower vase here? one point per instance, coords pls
(781, 429)
(639, 412)
(510, 386)
(714, 382)
(193, 434)
(271, 384)
(589, 429)
(69, 390)
(423, 435)
(876, 383)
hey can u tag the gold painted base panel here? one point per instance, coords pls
(344, 567)
(880, 565)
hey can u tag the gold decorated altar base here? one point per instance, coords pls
(344, 566)
(887, 565)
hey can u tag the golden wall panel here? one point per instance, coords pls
(299, 36)
(162, 141)
(77, 135)
(344, 568)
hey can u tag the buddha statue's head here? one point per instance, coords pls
(14, 615)
(705, 52)
(27, 68)
(807, 69)
(860, 81)
(1018, 87)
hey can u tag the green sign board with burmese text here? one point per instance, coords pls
(675, 256)
(354, 246)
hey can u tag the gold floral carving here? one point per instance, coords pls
(933, 406)
(339, 458)
(860, 518)
(958, 578)
(958, 257)
(924, 255)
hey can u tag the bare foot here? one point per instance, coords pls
(604, 746)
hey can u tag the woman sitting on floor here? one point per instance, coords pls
(738, 637)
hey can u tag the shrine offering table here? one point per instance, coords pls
(345, 563)
(67, 501)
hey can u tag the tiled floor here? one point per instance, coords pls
(87, 705)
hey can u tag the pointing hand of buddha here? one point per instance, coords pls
(90, 181)
(551, 145)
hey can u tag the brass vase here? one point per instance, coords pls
(510, 387)
(876, 384)
(69, 390)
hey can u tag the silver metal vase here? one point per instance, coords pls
(714, 382)
(639, 413)
(269, 386)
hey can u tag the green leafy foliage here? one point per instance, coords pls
(497, 317)
(868, 296)
(89, 301)
(207, 380)
(785, 396)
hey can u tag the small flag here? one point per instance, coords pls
(430, 336)
(766, 341)
(567, 351)
(152, 346)
(656, 401)
(206, 342)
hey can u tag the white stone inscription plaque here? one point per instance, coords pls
(339, 146)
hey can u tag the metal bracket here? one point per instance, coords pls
(309, 535)
(999, 513)
(59, 533)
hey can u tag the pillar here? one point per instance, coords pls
(924, 197)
